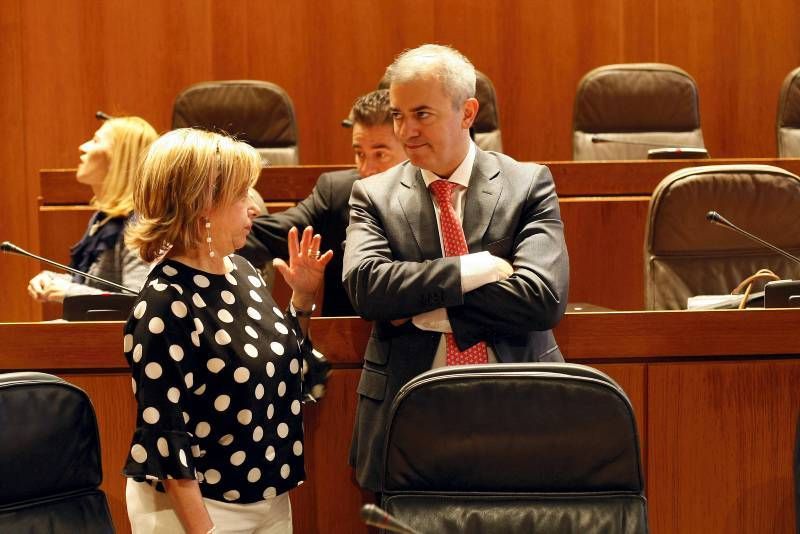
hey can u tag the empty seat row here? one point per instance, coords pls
(620, 112)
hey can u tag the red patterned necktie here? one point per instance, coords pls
(455, 244)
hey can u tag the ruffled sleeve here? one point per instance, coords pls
(159, 347)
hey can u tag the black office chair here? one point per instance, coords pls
(545, 448)
(49, 458)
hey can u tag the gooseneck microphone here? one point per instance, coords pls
(8, 247)
(716, 218)
(377, 517)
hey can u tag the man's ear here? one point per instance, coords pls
(470, 113)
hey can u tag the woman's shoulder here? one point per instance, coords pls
(240, 262)
(165, 284)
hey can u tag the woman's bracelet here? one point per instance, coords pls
(302, 313)
(212, 530)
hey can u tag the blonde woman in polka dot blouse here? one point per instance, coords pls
(216, 364)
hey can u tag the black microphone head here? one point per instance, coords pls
(712, 216)
(7, 246)
(102, 116)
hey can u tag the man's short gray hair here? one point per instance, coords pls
(455, 72)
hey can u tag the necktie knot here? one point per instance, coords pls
(442, 189)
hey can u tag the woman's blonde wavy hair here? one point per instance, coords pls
(131, 137)
(186, 173)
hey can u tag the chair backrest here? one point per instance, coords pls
(49, 458)
(260, 113)
(619, 105)
(487, 124)
(546, 448)
(685, 255)
(788, 124)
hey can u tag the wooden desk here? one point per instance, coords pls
(715, 395)
(603, 206)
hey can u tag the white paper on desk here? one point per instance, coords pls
(718, 302)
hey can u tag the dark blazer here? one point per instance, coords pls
(327, 211)
(394, 269)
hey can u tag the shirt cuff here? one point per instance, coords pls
(433, 321)
(477, 269)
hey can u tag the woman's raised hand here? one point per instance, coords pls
(306, 266)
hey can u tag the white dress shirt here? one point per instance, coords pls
(477, 269)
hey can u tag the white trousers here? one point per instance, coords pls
(150, 512)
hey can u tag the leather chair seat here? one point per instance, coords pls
(788, 124)
(546, 448)
(260, 113)
(685, 255)
(49, 458)
(625, 104)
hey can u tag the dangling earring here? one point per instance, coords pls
(211, 252)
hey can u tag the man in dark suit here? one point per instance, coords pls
(492, 298)
(376, 149)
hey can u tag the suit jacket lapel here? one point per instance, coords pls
(483, 193)
(417, 207)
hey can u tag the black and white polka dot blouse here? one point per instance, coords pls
(216, 375)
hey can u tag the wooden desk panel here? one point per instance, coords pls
(715, 396)
(721, 446)
(604, 238)
(572, 178)
(115, 409)
(603, 205)
(100, 369)
(605, 241)
(632, 378)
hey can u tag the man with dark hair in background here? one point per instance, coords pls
(376, 149)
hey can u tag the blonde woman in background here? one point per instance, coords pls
(108, 165)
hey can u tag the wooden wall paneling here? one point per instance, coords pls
(721, 445)
(153, 50)
(637, 35)
(739, 54)
(63, 56)
(324, 54)
(535, 62)
(121, 57)
(605, 240)
(66, 60)
(17, 222)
